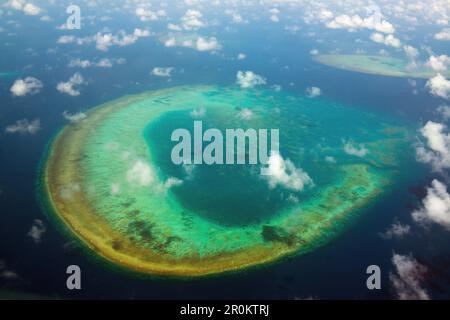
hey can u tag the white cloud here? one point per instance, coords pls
(198, 113)
(408, 278)
(330, 159)
(22, 87)
(274, 15)
(102, 63)
(171, 42)
(37, 231)
(444, 111)
(355, 22)
(388, 40)
(248, 79)
(241, 56)
(313, 92)
(435, 206)
(354, 149)
(80, 63)
(68, 87)
(245, 114)
(149, 15)
(115, 188)
(280, 172)
(444, 35)
(28, 8)
(162, 72)
(141, 174)
(410, 51)
(69, 190)
(172, 182)
(396, 230)
(199, 44)
(174, 27)
(192, 20)
(31, 9)
(74, 117)
(66, 39)
(439, 86)
(203, 44)
(7, 274)
(24, 126)
(103, 41)
(325, 14)
(438, 63)
(436, 151)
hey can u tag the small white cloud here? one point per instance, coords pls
(198, 113)
(26, 7)
(396, 230)
(31, 9)
(436, 150)
(23, 87)
(408, 278)
(355, 22)
(330, 159)
(276, 87)
(162, 72)
(245, 114)
(283, 173)
(37, 231)
(68, 87)
(248, 79)
(7, 274)
(203, 44)
(148, 15)
(80, 63)
(172, 182)
(438, 63)
(115, 189)
(140, 174)
(199, 44)
(435, 206)
(74, 117)
(241, 56)
(174, 27)
(354, 149)
(193, 20)
(410, 51)
(24, 126)
(388, 40)
(444, 111)
(313, 92)
(443, 35)
(46, 18)
(66, 39)
(102, 63)
(439, 86)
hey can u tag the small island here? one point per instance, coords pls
(376, 65)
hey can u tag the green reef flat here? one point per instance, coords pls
(377, 65)
(107, 179)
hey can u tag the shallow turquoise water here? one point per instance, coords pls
(310, 131)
